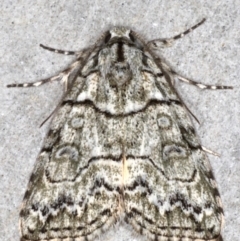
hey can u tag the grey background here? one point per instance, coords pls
(209, 54)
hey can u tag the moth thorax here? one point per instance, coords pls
(120, 74)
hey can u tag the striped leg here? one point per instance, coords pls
(201, 85)
(167, 68)
(167, 42)
(61, 76)
(59, 51)
(64, 75)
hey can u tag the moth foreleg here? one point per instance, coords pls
(201, 85)
(59, 51)
(168, 42)
(61, 76)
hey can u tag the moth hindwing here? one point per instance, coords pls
(121, 146)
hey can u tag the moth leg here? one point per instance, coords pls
(167, 42)
(61, 76)
(210, 151)
(50, 115)
(59, 51)
(201, 85)
(64, 75)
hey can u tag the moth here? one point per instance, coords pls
(121, 146)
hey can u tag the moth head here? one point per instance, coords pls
(119, 33)
(121, 47)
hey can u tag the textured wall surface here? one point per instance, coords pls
(210, 54)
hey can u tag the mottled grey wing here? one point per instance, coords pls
(170, 193)
(73, 192)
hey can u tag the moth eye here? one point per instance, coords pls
(108, 37)
(131, 36)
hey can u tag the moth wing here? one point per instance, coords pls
(170, 192)
(69, 196)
